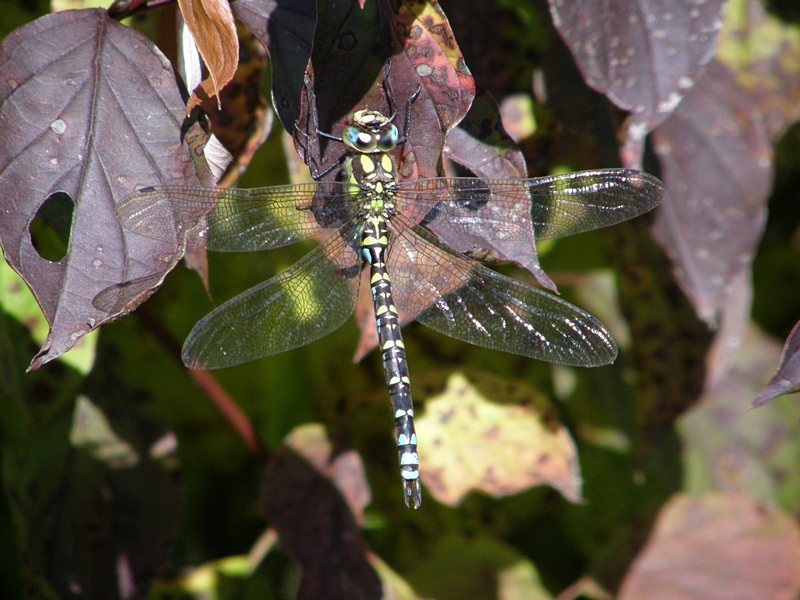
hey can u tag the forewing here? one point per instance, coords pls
(576, 202)
(243, 219)
(460, 298)
(309, 300)
(561, 205)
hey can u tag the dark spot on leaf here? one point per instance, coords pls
(50, 228)
(347, 41)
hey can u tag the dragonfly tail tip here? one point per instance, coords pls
(413, 494)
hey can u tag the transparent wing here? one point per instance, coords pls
(561, 205)
(309, 300)
(461, 298)
(241, 219)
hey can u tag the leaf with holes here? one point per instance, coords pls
(104, 121)
(644, 56)
(716, 163)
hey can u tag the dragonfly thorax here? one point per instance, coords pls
(376, 176)
(370, 132)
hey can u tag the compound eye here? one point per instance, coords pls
(387, 139)
(359, 140)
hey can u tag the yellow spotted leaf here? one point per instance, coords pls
(467, 442)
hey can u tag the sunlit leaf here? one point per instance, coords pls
(16, 300)
(585, 588)
(461, 566)
(644, 56)
(394, 586)
(345, 470)
(466, 442)
(214, 33)
(717, 164)
(91, 430)
(481, 144)
(521, 581)
(763, 53)
(83, 137)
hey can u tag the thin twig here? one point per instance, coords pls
(217, 394)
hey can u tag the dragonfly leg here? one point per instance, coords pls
(312, 124)
(387, 86)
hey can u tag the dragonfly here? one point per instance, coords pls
(374, 221)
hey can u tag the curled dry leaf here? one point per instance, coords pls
(467, 442)
(214, 32)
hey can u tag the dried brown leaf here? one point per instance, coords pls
(214, 32)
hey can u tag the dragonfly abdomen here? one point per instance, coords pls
(374, 246)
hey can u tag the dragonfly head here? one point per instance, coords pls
(370, 131)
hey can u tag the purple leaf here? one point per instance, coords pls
(644, 56)
(716, 161)
(787, 379)
(316, 527)
(89, 109)
(286, 29)
(481, 144)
